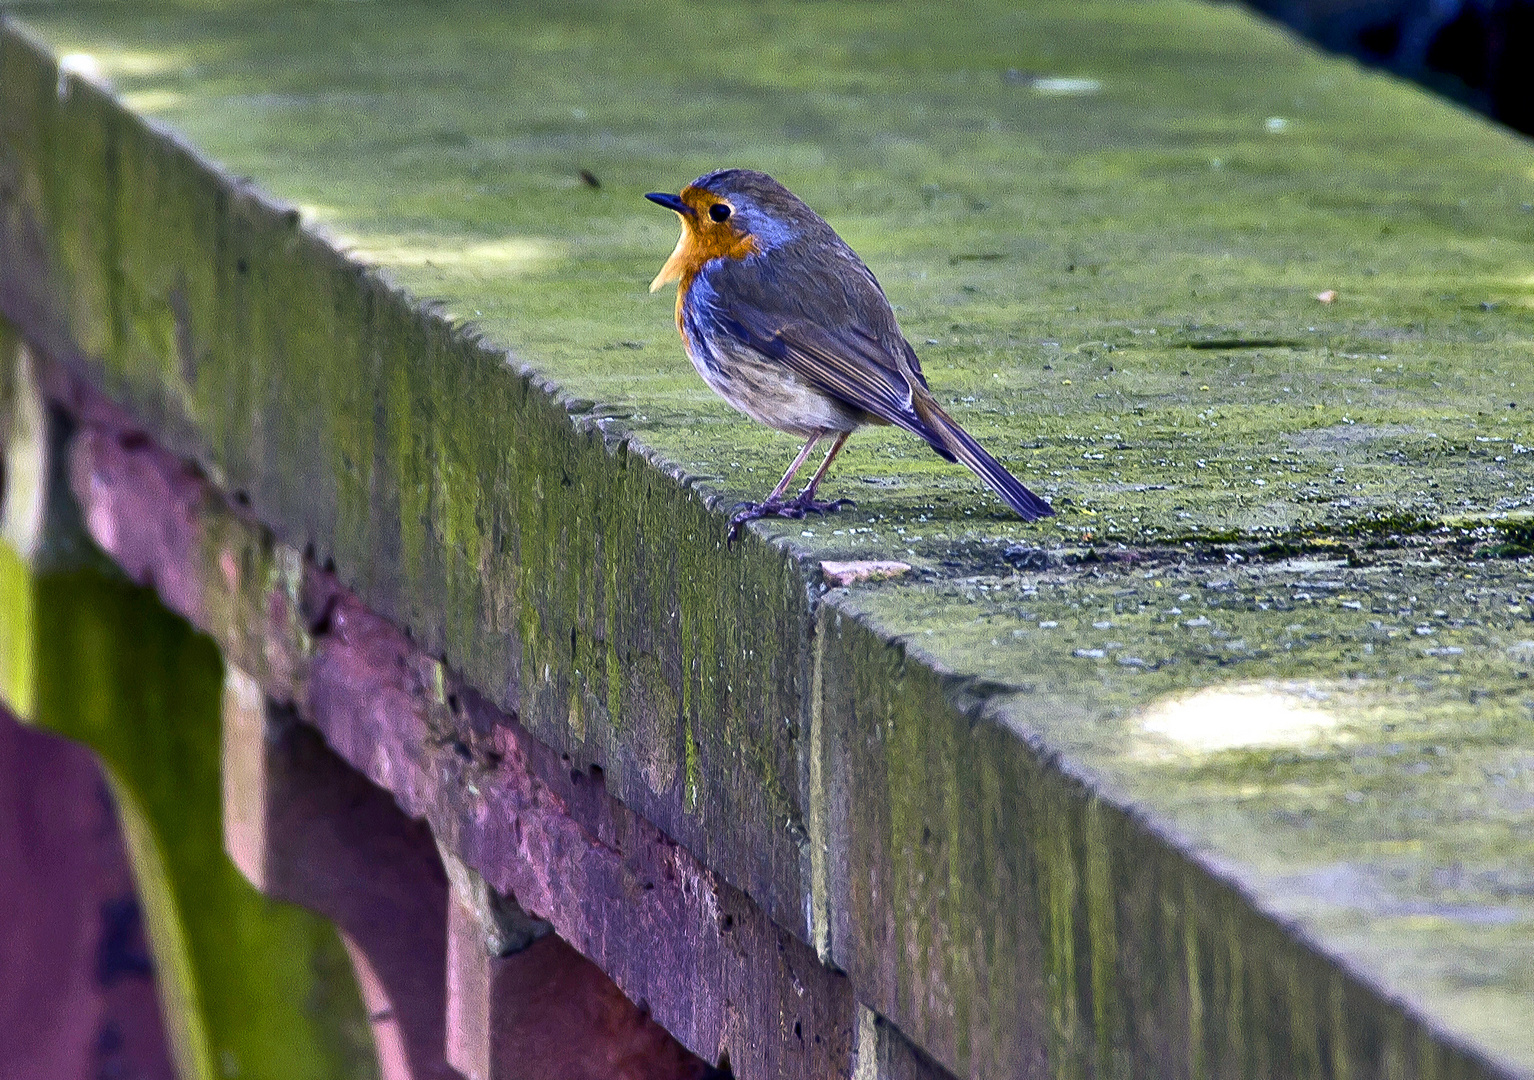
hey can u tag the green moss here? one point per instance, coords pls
(266, 987)
(18, 681)
(1115, 290)
(1034, 239)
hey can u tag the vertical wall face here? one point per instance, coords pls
(202, 760)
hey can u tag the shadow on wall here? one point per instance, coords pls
(1480, 52)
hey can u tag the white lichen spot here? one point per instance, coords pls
(153, 101)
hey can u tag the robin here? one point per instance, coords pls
(783, 321)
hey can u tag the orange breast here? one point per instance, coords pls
(703, 240)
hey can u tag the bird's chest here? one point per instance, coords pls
(759, 386)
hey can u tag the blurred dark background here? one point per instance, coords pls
(1480, 52)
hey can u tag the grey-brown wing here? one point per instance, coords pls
(846, 363)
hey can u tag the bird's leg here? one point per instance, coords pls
(749, 511)
(788, 477)
(805, 502)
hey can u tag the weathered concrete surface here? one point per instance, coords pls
(305, 827)
(718, 973)
(1113, 277)
(77, 992)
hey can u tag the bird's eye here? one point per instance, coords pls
(719, 211)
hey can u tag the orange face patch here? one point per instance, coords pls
(703, 240)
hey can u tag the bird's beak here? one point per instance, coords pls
(671, 202)
(672, 271)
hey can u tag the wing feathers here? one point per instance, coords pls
(961, 446)
(848, 366)
(860, 371)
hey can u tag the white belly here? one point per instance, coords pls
(768, 391)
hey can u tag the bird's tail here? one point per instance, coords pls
(956, 444)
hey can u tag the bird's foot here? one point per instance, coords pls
(799, 507)
(794, 508)
(744, 512)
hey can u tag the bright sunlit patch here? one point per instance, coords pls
(100, 70)
(82, 66)
(152, 101)
(319, 213)
(1241, 717)
(515, 255)
(1056, 86)
(117, 64)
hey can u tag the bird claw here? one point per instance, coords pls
(795, 508)
(798, 508)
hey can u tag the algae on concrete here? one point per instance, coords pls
(1121, 263)
(1347, 742)
(1108, 229)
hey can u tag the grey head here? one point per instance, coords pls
(763, 207)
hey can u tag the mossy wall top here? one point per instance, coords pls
(1104, 226)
